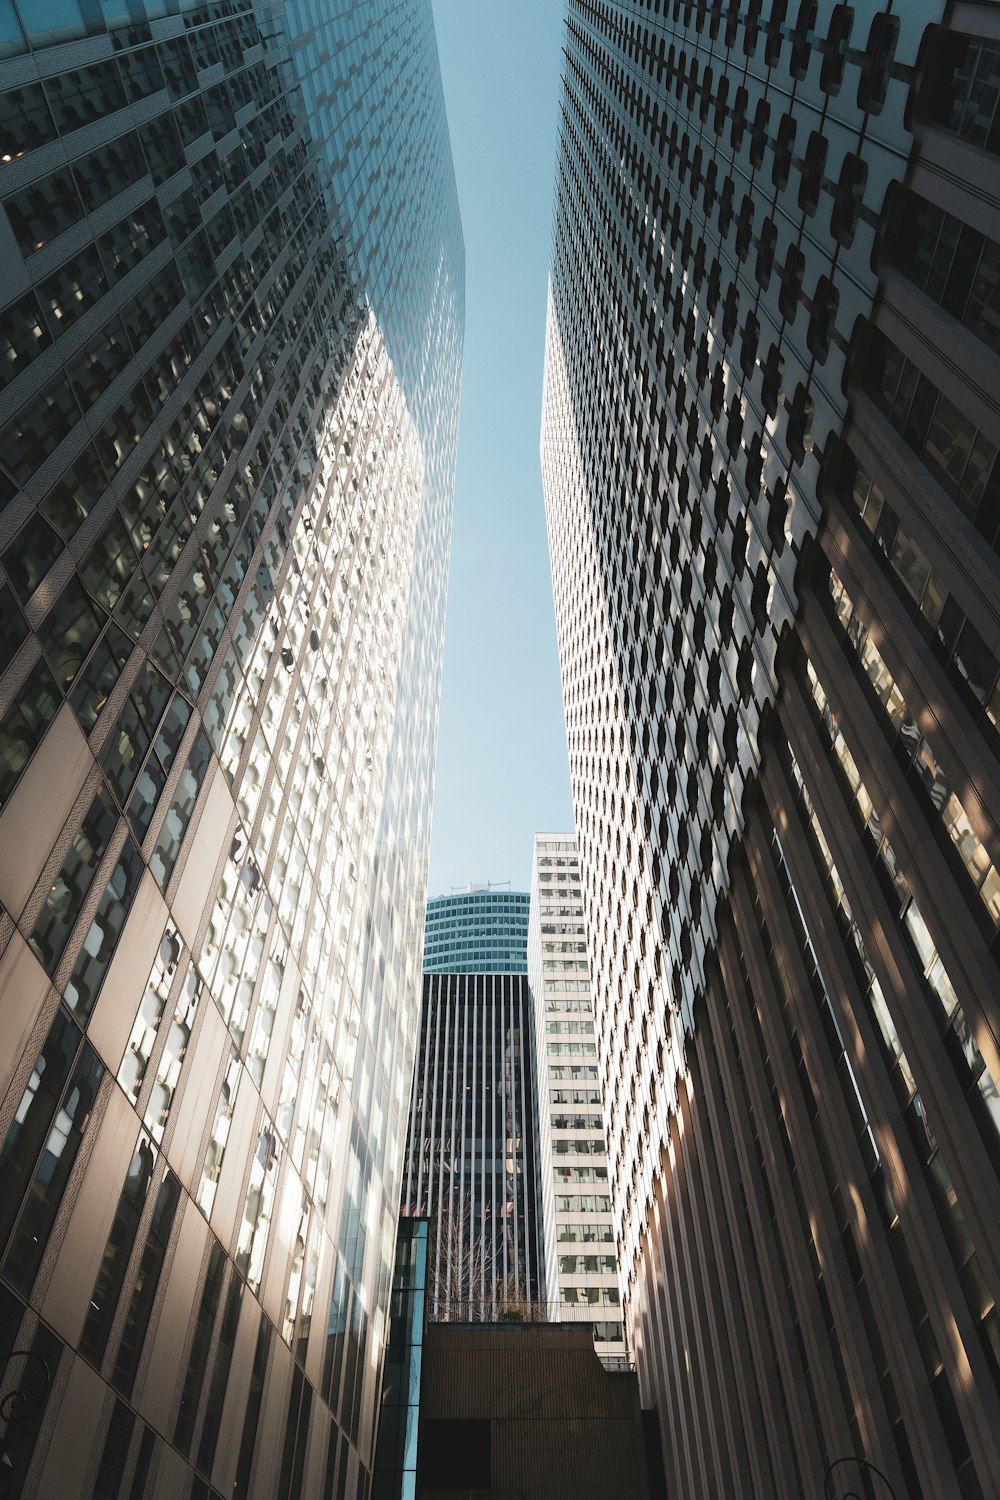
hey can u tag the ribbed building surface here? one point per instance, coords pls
(773, 494)
(230, 354)
(470, 1150)
(478, 931)
(581, 1265)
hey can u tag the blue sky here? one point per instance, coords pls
(502, 770)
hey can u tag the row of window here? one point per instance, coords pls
(583, 1203)
(971, 666)
(938, 1178)
(970, 1065)
(960, 458)
(589, 1296)
(942, 806)
(588, 1265)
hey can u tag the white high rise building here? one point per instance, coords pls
(581, 1266)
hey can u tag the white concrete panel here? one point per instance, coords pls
(199, 872)
(175, 1315)
(123, 988)
(79, 1260)
(24, 985)
(33, 818)
(69, 1452)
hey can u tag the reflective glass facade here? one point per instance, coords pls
(477, 932)
(399, 1420)
(471, 1151)
(772, 482)
(230, 355)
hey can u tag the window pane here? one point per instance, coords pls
(24, 724)
(45, 1191)
(34, 1116)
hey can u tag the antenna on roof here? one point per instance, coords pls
(472, 890)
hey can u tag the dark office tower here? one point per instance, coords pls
(233, 274)
(470, 1151)
(773, 494)
(483, 930)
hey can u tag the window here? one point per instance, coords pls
(252, 1239)
(208, 1307)
(69, 630)
(961, 459)
(220, 1374)
(145, 1287)
(24, 724)
(42, 1145)
(251, 1421)
(220, 1135)
(963, 90)
(84, 983)
(62, 907)
(877, 62)
(172, 1057)
(114, 1264)
(813, 166)
(111, 1471)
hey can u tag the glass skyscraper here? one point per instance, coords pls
(772, 481)
(478, 931)
(230, 356)
(471, 1166)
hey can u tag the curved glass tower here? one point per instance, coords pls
(230, 353)
(477, 932)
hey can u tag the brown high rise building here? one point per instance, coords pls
(772, 480)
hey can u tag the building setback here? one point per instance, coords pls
(231, 348)
(470, 1163)
(770, 453)
(581, 1264)
(478, 931)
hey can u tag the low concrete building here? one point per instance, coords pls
(526, 1411)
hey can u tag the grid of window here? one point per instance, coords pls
(572, 1143)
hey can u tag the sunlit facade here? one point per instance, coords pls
(771, 456)
(578, 1236)
(230, 358)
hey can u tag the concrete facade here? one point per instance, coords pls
(543, 1418)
